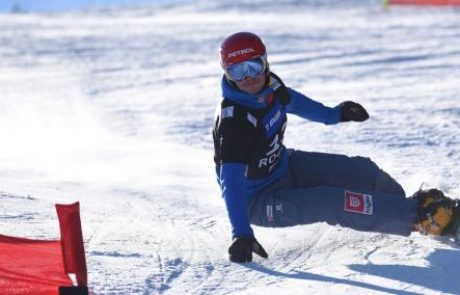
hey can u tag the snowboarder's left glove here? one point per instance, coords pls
(352, 111)
(241, 249)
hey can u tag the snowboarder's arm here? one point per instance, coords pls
(233, 149)
(310, 109)
(307, 108)
(236, 197)
(236, 200)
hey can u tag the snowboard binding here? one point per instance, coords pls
(437, 214)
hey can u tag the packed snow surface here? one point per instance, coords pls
(114, 108)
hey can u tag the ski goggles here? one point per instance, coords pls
(249, 68)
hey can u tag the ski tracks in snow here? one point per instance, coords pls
(177, 246)
(169, 247)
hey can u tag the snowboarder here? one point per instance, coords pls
(266, 184)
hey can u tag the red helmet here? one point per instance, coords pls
(240, 47)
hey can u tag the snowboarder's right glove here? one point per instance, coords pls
(241, 249)
(352, 111)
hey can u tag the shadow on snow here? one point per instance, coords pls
(441, 275)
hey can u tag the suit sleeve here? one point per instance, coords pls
(234, 145)
(310, 109)
(236, 198)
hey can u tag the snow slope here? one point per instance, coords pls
(114, 108)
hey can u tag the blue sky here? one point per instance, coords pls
(53, 5)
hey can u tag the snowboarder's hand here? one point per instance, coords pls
(241, 249)
(352, 111)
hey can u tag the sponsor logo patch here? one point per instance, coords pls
(241, 52)
(358, 203)
(274, 120)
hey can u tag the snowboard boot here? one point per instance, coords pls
(436, 213)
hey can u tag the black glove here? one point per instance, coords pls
(352, 111)
(241, 249)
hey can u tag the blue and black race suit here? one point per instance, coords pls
(248, 141)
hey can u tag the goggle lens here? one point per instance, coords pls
(249, 68)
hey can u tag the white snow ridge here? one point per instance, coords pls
(114, 108)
